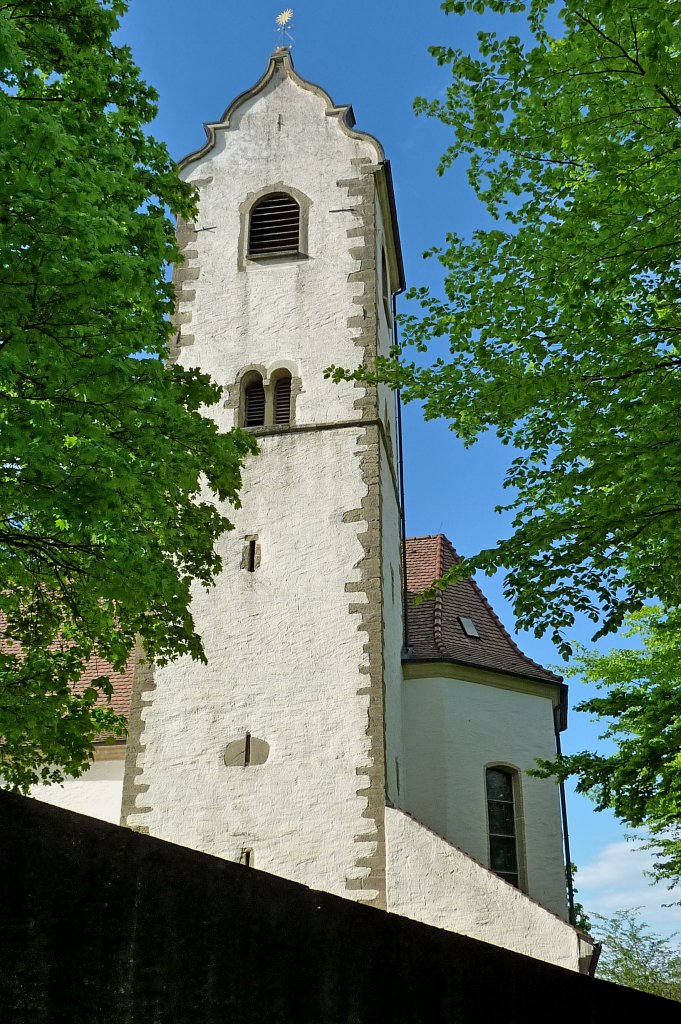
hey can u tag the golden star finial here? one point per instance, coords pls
(283, 22)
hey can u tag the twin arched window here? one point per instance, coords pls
(274, 226)
(266, 405)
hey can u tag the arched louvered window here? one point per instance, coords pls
(282, 399)
(503, 847)
(274, 226)
(254, 404)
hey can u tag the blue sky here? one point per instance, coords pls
(374, 55)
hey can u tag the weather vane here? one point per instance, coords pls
(283, 21)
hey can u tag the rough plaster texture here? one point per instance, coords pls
(454, 729)
(97, 793)
(289, 308)
(432, 881)
(284, 654)
(295, 649)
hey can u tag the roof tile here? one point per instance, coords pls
(435, 632)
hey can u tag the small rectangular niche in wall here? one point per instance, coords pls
(250, 559)
(246, 858)
(248, 750)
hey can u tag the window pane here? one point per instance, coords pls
(499, 785)
(501, 818)
(502, 854)
(510, 876)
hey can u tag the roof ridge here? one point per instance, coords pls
(437, 608)
(429, 536)
(455, 554)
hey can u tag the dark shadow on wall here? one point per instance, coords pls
(100, 925)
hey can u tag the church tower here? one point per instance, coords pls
(281, 750)
(315, 744)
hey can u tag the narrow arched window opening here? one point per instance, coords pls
(385, 285)
(503, 847)
(274, 226)
(254, 404)
(282, 399)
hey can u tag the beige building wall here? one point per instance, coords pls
(454, 729)
(436, 883)
(97, 792)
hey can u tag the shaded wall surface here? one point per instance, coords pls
(99, 924)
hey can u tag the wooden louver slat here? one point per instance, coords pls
(275, 225)
(254, 412)
(282, 400)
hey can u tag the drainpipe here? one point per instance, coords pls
(560, 722)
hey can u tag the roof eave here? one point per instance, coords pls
(550, 678)
(397, 244)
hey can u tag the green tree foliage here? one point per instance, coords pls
(108, 472)
(581, 918)
(640, 779)
(635, 956)
(560, 326)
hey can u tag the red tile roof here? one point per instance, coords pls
(435, 632)
(121, 682)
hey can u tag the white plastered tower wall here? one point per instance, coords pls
(296, 649)
(391, 525)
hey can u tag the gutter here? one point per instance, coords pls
(557, 720)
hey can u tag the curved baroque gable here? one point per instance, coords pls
(281, 62)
